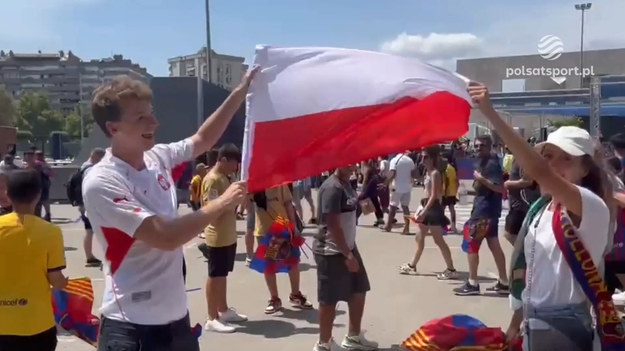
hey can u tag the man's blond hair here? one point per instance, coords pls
(108, 98)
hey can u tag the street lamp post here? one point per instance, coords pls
(208, 42)
(583, 8)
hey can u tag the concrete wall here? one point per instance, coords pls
(492, 71)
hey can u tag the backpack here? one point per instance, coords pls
(74, 187)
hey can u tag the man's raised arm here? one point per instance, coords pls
(213, 128)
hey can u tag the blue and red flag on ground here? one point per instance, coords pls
(456, 333)
(279, 250)
(72, 310)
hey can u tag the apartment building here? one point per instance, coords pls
(64, 77)
(227, 71)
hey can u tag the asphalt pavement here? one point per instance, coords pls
(397, 305)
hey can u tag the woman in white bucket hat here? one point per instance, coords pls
(546, 293)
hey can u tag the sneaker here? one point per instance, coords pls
(299, 301)
(93, 262)
(322, 347)
(447, 274)
(378, 223)
(218, 326)
(358, 342)
(619, 298)
(407, 269)
(467, 289)
(248, 261)
(231, 316)
(499, 289)
(203, 247)
(275, 305)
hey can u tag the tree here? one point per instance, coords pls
(72, 123)
(575, 122)
(34, 115)
(7, 109)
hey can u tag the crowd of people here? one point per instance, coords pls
(560, 192)
(34, 159)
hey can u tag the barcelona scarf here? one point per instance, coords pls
(72, 310)
(279, 250)
(609, 325)
(456, 333)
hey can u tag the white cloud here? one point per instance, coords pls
(516, 34)
(435, 46)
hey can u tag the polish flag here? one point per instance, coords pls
(311, 110)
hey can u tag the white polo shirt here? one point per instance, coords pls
(143, 285)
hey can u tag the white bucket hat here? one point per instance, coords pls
(574, 141)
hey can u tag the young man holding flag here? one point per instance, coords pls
(131, 202)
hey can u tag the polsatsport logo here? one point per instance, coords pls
(550, 47)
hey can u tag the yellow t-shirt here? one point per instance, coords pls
(277, 198)
(452, 179)
(29, 249)
(223, 231)
(195, 188)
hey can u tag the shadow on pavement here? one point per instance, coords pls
(240, 257)
(70, 248)
(60, 220)
(393, 347)
(462, 277)
(273, 329)
(310, 316)
(303, 267)
(493, 294)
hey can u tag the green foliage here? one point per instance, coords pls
(574, 122)
(72, 123)
(7, 109)
(24, 136)
(34, 115)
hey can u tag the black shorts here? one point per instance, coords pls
(514, 220)
(45, 341)
(612, 268)
(86, 221)
(335, 283)
(435, 216)
(449, 201)
(119, 335)
(221, 260)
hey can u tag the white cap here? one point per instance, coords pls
(574, 141)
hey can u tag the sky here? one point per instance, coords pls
(440, 32)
